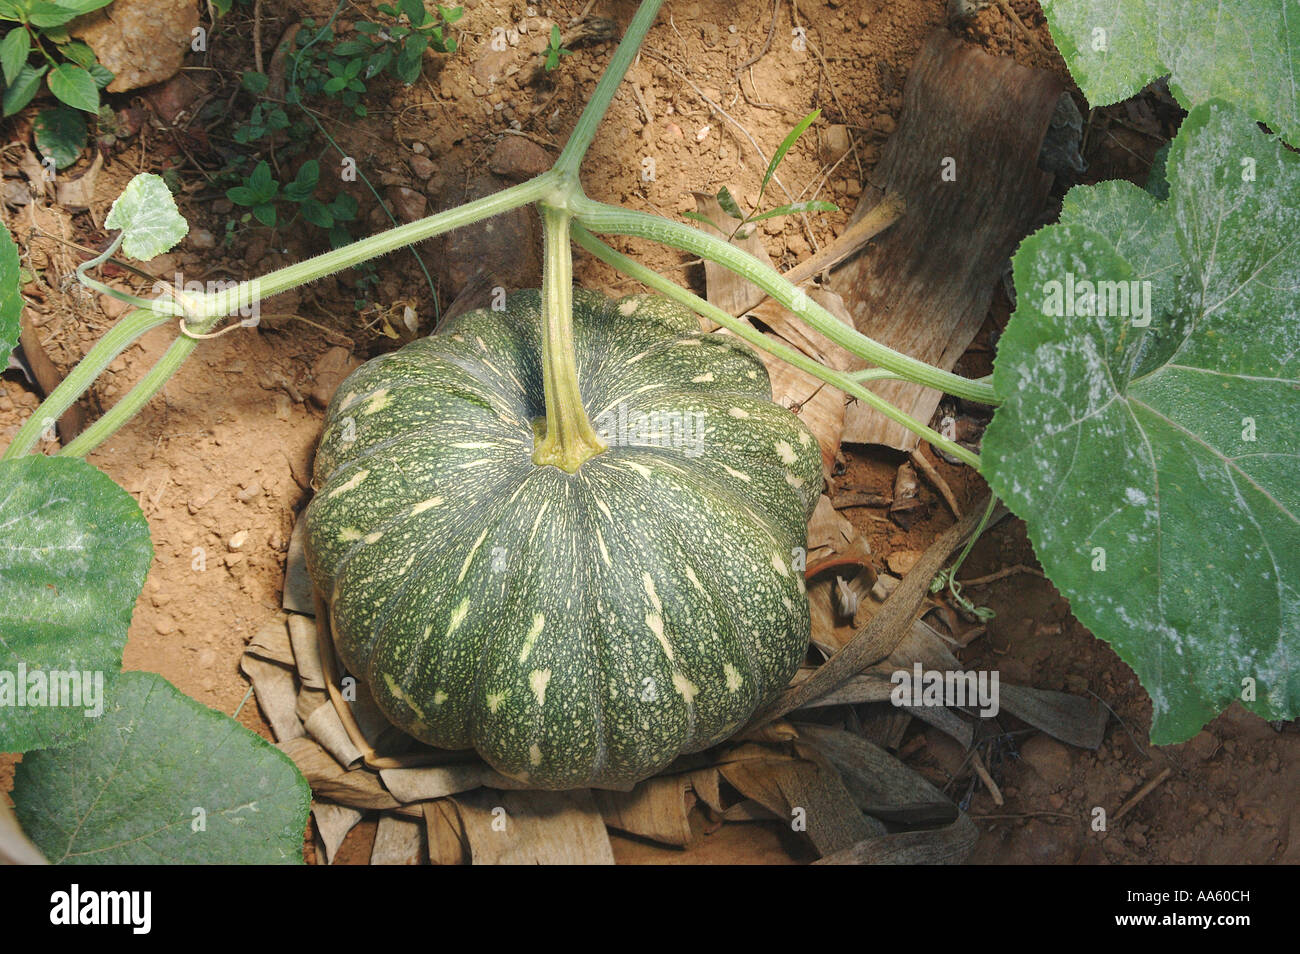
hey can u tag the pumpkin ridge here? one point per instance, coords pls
(703, 559)
(391, 517)
(435, 549)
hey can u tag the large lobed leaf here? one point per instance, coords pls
(163, 779)
(1173, 447)
(74, 550)
(1245, 51)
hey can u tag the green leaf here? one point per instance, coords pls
(344, 207)
(260, 178)
(61, 134)
(794, 208)
(79, 53)
(162, 779)
(265, 213)
(73, 559)
(11, 301)
(699, 217)
(317, 213)
(1243, 52)
(308, 175)
(147, 215)
(786, 144)
(254, 82)
(101, 74)
(414, 10)
(48, 15)
(1171, 450)
(20, 92)
(242, 196)
(14, 50)
(729, 204)
(75, 86)
(335, 83)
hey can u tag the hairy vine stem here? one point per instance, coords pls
(608, 219)
(798, 359)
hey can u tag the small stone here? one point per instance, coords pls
(901, 561)
(238, 540)
(884, 585)
(255, 251)
(284, 406)
(1051, 760)
(518, 158)
(836, 142)
(1203, 745)
(328, 372)
(202, 238)
(113, 307)
(408, 204)
(1076, 684)
(202, 499)
(164, 625)
(250, 492)
(422, 167)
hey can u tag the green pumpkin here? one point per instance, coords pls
(576, 629)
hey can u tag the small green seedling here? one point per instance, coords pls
(554, 51)
(730, 206)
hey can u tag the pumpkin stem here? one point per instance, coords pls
(569, 438)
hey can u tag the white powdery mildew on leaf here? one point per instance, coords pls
(163, 779)
(74, 550)
(1157, 465)
(1244, 51)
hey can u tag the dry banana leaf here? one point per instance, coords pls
(656, 809)
(445, 833)
(398, 841)
(881, 785)
(439, 781)
(306, 650)
(277, 695)
(937, 846)
(330, 780)
(534, 828)
(333, 822)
